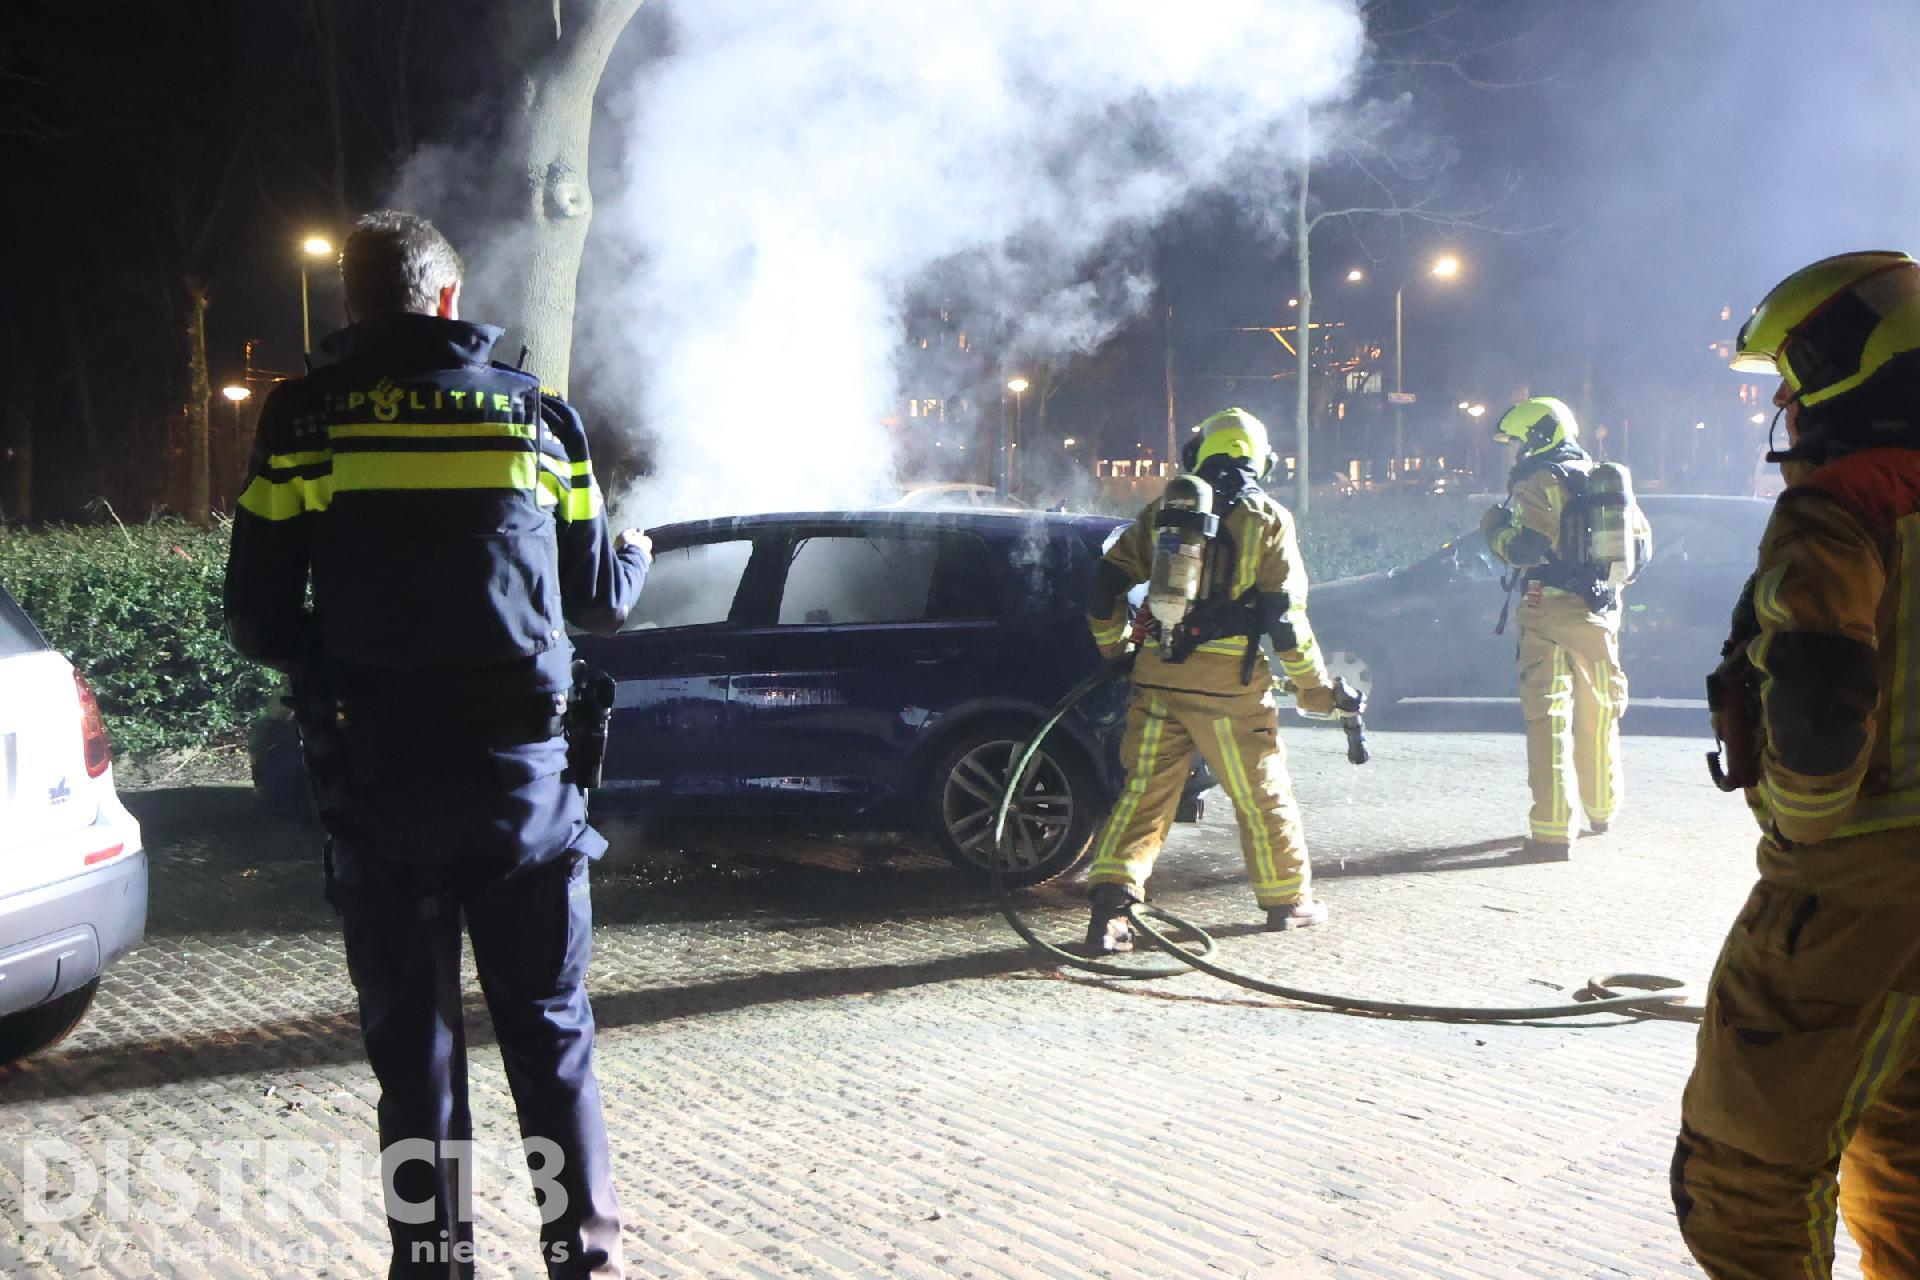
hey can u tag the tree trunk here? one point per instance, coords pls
(198, 498)
(552, 129)
(1303, 402)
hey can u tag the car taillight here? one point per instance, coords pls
(93, 729)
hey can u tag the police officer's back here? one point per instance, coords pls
(445, 514)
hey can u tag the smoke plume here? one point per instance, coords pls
(791, 174)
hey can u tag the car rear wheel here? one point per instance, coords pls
(1051, 824)
(43, 1026)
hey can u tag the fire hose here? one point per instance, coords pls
(1651, 995)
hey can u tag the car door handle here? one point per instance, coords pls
(928, 657)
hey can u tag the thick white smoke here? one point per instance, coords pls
(793, 171)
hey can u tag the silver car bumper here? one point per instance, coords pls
(61, 936)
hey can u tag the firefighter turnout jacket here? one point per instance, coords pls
(1804, 1102)
(1258, 535)
(1526, 532)
(1837, 652)
(445, 515)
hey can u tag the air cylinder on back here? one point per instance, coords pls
(1609, 533)
(1184, 527)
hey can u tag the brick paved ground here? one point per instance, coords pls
(841, 1064)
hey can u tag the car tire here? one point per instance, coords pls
(1368, 672)
(40, 1028)
(1050, 830)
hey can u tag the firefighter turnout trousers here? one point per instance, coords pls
(1238, 734)
(1808, 1068)
(1573, 692)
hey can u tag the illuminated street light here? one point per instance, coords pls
(1476, 411)
(1355, 276)
(1445, 267)
(1699, 426)
(1017, 384)
(312, 247)
(1069, 442)
(1462, 405)
(1293, 302)
(236, 392)
(1758, 419)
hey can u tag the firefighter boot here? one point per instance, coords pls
(1109, 932)
(1299, 914)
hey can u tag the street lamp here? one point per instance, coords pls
(1445, 267)
(315, 247)
(1355, 276)
(1017, 384)
(236, 393)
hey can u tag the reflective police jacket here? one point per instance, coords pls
(445, 510)
(1266, 557)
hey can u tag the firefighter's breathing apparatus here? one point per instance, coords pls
(1176, 579)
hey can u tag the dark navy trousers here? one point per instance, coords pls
(531, 929)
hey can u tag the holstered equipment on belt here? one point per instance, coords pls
(1212, 620)
(588, 718)
(318, 716)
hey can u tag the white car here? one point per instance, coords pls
(73, 872)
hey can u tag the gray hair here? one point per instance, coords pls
(397, 262)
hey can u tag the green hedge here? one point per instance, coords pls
(1345, 535)
(137, 608)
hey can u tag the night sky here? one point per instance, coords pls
(1630, 169)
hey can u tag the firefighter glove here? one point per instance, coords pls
(1317, 702)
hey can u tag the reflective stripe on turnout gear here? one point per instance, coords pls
(1877, 1062)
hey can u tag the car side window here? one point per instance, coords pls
(17, 635)
(691, 586)
(859, 578)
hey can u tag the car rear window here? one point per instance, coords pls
(691, 586)
(17, 634)
(868, 578)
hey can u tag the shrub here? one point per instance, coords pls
(137, 608)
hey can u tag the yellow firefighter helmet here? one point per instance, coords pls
(1235, 433)
(1830, 327)
(1537, 424)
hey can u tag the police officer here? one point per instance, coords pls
(1805, 1097)
(445, 514)
(1573, 690)
(1210, 688)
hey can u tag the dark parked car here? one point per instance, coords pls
(875, 669)
(1425, 632)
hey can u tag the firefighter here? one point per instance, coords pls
(1572, 688)
(1805, 1098)
(1206, 685)
(444, 513)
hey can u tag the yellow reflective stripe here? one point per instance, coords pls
(1878, 1060)
(1796, 804)
(583, 468)
(1137, 779)
(1766, 598)
(1253, 822)
(1107, 635)
(429, 430)
(1249, 570)
(490, 469)
(1231, 645)
(1559, 695)
(285, 499)
(581, 504)
(288, 461)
